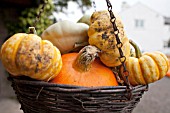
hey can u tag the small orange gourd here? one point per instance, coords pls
(82, 69)
(168, 73)
(29, 55)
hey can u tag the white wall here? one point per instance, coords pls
(151, 37)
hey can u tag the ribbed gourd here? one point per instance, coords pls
(147, 67)
(102, 35)
(29, 55)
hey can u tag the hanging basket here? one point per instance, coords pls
(43, 97)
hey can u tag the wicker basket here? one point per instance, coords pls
(42, 97)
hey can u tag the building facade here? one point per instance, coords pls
(145, 26)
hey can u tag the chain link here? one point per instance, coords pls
(40, 12)
(94, 5)
(119, 44)
(116, 32)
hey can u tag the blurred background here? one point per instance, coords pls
(146, 22)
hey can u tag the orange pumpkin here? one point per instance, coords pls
(82, 69)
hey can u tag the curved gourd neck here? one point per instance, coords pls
(137, 49)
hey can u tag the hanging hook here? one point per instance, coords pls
(94, 5)
(41, 10)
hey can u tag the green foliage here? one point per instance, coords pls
(28, 16)
(61, 4)
(27, 19)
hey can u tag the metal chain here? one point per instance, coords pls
(40, 12)
(94, 5)
(119, 44)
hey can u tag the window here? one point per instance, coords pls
(139, 23)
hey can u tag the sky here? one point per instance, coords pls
(160, 6)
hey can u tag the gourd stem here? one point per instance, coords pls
(137, 49)
(32, 30)
(85, 57)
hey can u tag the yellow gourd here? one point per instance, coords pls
(26, 54)
(102, 35)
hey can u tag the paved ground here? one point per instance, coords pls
(156, 100)
(9, 106)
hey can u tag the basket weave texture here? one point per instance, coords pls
(42, 97)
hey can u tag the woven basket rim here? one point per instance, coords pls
(73, 88)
